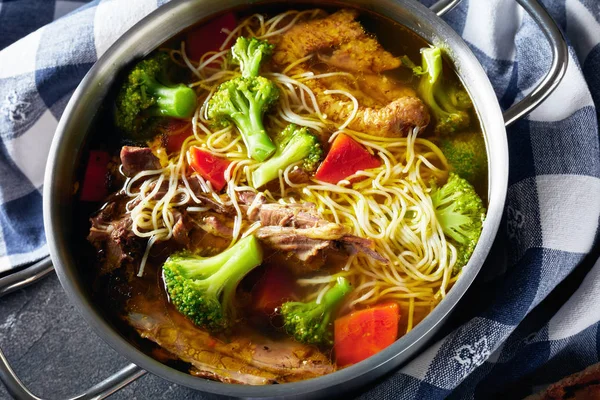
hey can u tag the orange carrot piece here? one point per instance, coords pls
(210, 167)
(345, 158)
(363, 333)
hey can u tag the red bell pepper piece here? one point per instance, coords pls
(345, 158)
(210, 167)
(276, 286)
(363, 333)
(94, 180)
(209, 36)
(176, 133)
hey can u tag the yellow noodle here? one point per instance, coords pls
(391, 205)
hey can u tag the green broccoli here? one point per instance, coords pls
(466, 155)
(244, 101)
(310, 323)
(447, 103)
(203, 288)
(249, 53)
(144, 95)
(293, 144)
(460, 212)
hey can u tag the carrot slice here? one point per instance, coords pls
(346, 157)
(363, 333)
(94, 181)
(210, 167)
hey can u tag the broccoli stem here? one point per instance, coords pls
(204, 288)
(336, 294)
(239, 260)
(234, 259)
(310, 322)
(448, 108)
(432, 66)
(250, 125)
(244, 101)
(298, 148)
(177, 101)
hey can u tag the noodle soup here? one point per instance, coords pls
(292, 184)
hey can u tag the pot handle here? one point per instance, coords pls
(443, 6)
(26, 277)
(560, 57)
(11, 381)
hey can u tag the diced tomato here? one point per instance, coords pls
(274, 288)
(176, 133)
(209, 36)
(209, 167)
(94, 180)
(346, 157)
(363, 333)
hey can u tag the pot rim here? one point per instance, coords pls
(60, 169)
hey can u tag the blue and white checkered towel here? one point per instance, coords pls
(499, 343)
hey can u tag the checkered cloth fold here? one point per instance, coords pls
(500, 343)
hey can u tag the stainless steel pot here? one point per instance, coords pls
(166, 22)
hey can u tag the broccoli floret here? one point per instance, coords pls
(249, 53)
(293, 144)
(244, 101)
(453, 97)
(203, 288)
(460, 212)
(447, 103)
(310, 323)
(466, 155)
(145, 95)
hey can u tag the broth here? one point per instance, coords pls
(120, 295)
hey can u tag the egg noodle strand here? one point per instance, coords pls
(389, 204)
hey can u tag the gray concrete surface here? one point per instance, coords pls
(57, 355)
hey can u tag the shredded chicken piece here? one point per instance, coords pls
(299, 231)
(215, 225)
(247, 357)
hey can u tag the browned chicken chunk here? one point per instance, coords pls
(309, 37)
(351, 48)
(394, 119)
(341, 42)
(248, 358)
(364, 54)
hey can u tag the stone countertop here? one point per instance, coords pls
(57, 355)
